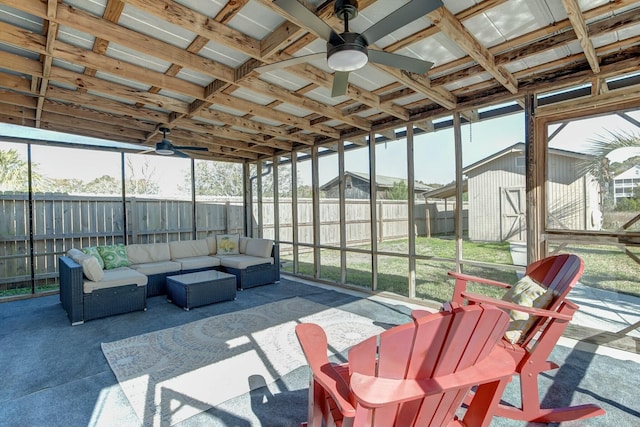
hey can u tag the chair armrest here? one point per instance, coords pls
(374, 392)
(461, 286)
(313, 341)
(482, 299)
(468, 278)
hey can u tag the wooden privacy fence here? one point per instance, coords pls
(431, 219)
(62, 221)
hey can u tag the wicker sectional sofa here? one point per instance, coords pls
(90, 291)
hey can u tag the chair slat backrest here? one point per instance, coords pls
(558, 273)
(431, 347)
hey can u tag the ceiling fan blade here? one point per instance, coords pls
(399, 18)
(180, 154)
(190, 147)
(407, 63)
(340, 82)
(308, 18)
(291, 61)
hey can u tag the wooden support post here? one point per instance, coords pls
(343, 214)
(457, 134)
(373, 211)
(411, 212)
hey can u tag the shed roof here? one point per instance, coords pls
(519, 148)
(122, 69)
(383, 182)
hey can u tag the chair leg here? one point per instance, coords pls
(531, 411)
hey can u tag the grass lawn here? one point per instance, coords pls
(605, 267)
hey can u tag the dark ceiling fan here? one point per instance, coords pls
(166, 148)
(349, 51)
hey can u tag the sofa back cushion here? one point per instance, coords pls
(259, 247)
(149, 252)
(242, 243)
(188, 248)
(211, 243)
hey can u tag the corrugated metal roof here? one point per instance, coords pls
(125, 64)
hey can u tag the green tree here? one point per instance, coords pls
(14, 173)
(67, 185)
(104, 185)
(398, 191)
(144, 183)
(216, 179)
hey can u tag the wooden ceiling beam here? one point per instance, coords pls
(106, 105)
(73, 110)
(200, 24)
(95, 84)
(452, 28)
(112, 12)
(470, 12)
(580, 28)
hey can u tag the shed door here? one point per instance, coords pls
(513, 222)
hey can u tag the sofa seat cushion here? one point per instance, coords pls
(145, 253)
(243, 261)
(188, 248)
(116, 277)
(195, 262)
(151, 268)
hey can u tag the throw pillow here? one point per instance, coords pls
(76, 254)
(92, 269)
(114, 256)
(93, 251)
(227, 244)
(526, 293)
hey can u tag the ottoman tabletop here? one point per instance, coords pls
(201, 288)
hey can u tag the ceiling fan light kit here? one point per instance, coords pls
(348, 56)
(164, 149)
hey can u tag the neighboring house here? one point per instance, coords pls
(497, 196)
(625, 183)
(356, 186)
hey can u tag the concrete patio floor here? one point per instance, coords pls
(56, 374)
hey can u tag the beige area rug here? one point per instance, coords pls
(173, 374)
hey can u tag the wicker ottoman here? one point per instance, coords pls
(200, 288)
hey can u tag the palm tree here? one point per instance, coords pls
(602, 147)
(599, 166)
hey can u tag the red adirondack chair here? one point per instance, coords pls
(415, 374)
(556, 273)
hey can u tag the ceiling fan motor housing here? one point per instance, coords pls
(348, 7)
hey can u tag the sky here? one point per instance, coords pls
(434, 155)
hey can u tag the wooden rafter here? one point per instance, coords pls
(449, 25)
(580, 28)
